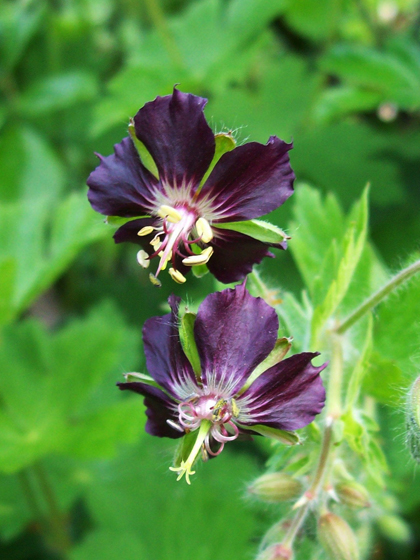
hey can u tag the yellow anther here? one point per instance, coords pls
(202, 258)
(155, 242)
(171, 214)
(177, 276)
(154, 280)
(235, 408)
(146, 230)
(165, 262)
(143, 259)
(204, 230)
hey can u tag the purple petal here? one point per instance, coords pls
(250, 181)
(175, 132)
(235, 254)
(234, 332)
(165, 358)
(121, 185)
(160, 408)
(287, 396)
(128, 233)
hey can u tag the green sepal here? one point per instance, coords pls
(142, 378)
(288, 438)
(258, 229)
(143, 152)
(200, 270)
(117, 221)
(183, 450)
(279, 351)
(186, 335)
(224, 142)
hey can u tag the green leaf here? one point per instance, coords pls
(186, 335)
(319, 157)
(224, 142)
(397, 329)
(361, 368)
(313, 19)
(384, 380)
(353, 245)
(339, 101)
(118, 491)
(30, 168)
(380, 71)
(7, 279)
(258, 229)
(310, 241)
(51, 394)
(18, 23)
(40, 256)
(109, 545)
(56, 93)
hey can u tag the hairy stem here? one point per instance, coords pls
(378, 296)
(333, 412)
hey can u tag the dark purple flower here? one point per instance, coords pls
(183, 191)
(224, 391)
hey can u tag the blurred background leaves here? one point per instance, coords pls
(339, 77)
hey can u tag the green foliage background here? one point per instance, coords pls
(340, 77)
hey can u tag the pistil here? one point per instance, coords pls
(186, 466)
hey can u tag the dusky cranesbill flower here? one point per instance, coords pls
(191, 197)
(223, 376)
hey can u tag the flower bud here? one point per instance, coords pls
(275, 487)
(394, 528)
(337, 537)
(352, 494)
(413, 420)
(276, 552)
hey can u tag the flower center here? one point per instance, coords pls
(212, 417)
(178, 235)
(219, 412)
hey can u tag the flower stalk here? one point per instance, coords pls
(378, 296)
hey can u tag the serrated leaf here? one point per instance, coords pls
(258, 229)
(361, 369)
(47, 383)
(353, 245)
